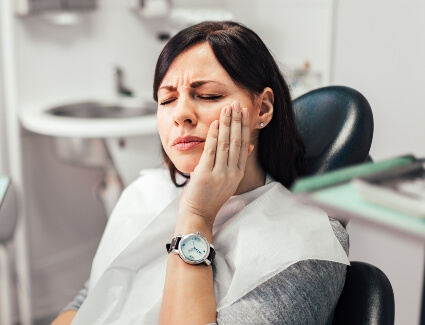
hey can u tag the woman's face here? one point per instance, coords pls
(190, 97)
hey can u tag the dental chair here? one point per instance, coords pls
(336, 124)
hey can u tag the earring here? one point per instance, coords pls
(261, 124)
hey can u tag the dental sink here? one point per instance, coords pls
(94, 110)
(79, 129)
(83, 132)
(93, 118)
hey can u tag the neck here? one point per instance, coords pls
(254, 176)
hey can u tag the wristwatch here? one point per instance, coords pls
(192, 248)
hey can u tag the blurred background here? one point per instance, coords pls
(59, 56)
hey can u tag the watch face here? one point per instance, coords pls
(194, 248)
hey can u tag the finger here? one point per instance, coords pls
(210, 148)
(223, 138)
(235, 136)
(246, 148)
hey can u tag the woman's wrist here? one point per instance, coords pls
(188, 222)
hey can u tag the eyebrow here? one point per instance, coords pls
(195, 84)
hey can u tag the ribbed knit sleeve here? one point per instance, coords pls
(304, 293)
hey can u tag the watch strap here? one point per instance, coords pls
(211, 255)
(174, 244)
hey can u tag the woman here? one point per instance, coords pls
(225, 121)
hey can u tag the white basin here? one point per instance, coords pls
(92, 118)
(79, 131)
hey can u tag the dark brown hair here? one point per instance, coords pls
(250, 64)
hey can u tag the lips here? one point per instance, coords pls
(187, 143)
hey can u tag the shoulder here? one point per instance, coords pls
(152, 182)
(152, 190)
(157, 176)
(304, 293)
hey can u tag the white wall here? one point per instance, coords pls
(379, 51)
(294, 30)
(71, 63)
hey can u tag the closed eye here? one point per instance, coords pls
(203, 97)
(167, 101)
(210, 97)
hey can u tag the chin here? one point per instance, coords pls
(186, 164)
(186, 168)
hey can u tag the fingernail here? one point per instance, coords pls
(228, 111)
(215, 124)
(244, 112)
(237, 107)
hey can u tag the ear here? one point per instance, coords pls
(266, 102)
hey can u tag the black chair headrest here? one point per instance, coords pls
(336, 124)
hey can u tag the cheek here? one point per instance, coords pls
(211, 117)
(163, 128)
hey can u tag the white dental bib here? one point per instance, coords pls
(256, 235)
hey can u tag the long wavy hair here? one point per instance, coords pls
(250, 64)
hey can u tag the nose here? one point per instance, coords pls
(185, 111)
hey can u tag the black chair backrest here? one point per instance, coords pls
(367, 297)
(336, 124)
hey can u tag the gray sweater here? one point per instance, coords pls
(304, 293)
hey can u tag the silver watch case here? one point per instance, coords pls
(179, 252)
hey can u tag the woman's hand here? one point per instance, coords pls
(221, 166)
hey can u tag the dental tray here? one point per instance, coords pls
(401, 188)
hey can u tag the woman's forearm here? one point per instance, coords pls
(189, 290)
(188, 294)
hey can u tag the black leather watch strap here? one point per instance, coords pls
(211, 256)
(174, 244)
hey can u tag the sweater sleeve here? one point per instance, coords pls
(304, 293)
(78, 300)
